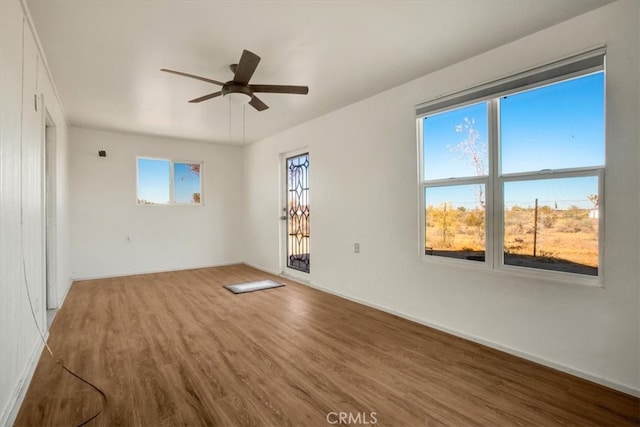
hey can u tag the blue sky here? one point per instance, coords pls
(558, 126)
(553, 127)
(186, 183)
(154, 181)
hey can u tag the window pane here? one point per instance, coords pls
(455, 143)
(187, 182)
(153, 181)
(554, 127)
(455, 221)
(552, 224)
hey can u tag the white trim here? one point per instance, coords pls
(493, 206)
(552, 174)
(482, 179)
(295, 277)
(50, 205)
(505, 349)
(422, 243)
(43, 58)
(266, 270)
(10, 412)
(64, 297)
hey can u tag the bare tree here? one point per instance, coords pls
(192, 173)
(473, 150)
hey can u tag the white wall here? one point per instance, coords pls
(104, 210)
(23, 75)
(364, 189)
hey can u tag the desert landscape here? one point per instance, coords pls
(544, 237)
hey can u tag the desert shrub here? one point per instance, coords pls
(548, 221)
(474, 219)
(574, 225)
(575, 212)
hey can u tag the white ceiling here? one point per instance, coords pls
(105, 56)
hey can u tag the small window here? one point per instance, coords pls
(163, 182)
(513, 178)
(455, 221)
(552, 224)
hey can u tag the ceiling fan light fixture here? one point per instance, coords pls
(238, 98)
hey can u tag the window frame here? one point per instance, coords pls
(597, 172)
(494, 180)
(172, 163)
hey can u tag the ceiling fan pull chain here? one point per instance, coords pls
(230, 134)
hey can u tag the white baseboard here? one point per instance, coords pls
(8, 416)
(261, 268)
(292, 277)
(161, 270)
(539, 360)
(64, 296)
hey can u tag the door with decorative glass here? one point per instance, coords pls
(296, 212)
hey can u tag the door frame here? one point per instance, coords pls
(49, 145)
(283, 183)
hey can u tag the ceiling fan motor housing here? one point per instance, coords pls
(232, 87)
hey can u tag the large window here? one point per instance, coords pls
(512, 172)
(162, 182)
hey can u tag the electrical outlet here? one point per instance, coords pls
(356, 248)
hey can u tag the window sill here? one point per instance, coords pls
(191, 205)
(546, 276)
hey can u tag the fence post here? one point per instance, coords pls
(535, 228)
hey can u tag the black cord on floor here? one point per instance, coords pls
(59, 361)
(96, 388)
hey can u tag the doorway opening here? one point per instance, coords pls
(296, 212)
(50, 215)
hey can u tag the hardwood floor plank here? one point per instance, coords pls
(177, 349)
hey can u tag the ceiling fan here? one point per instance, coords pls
(239, 87)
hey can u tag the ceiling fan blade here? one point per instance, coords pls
(204, 79)
(297, 90)
(204, 98)
(246, 67)
(258, 104)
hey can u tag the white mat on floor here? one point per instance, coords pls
(241, 288)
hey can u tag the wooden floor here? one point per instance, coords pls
(177, 349)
